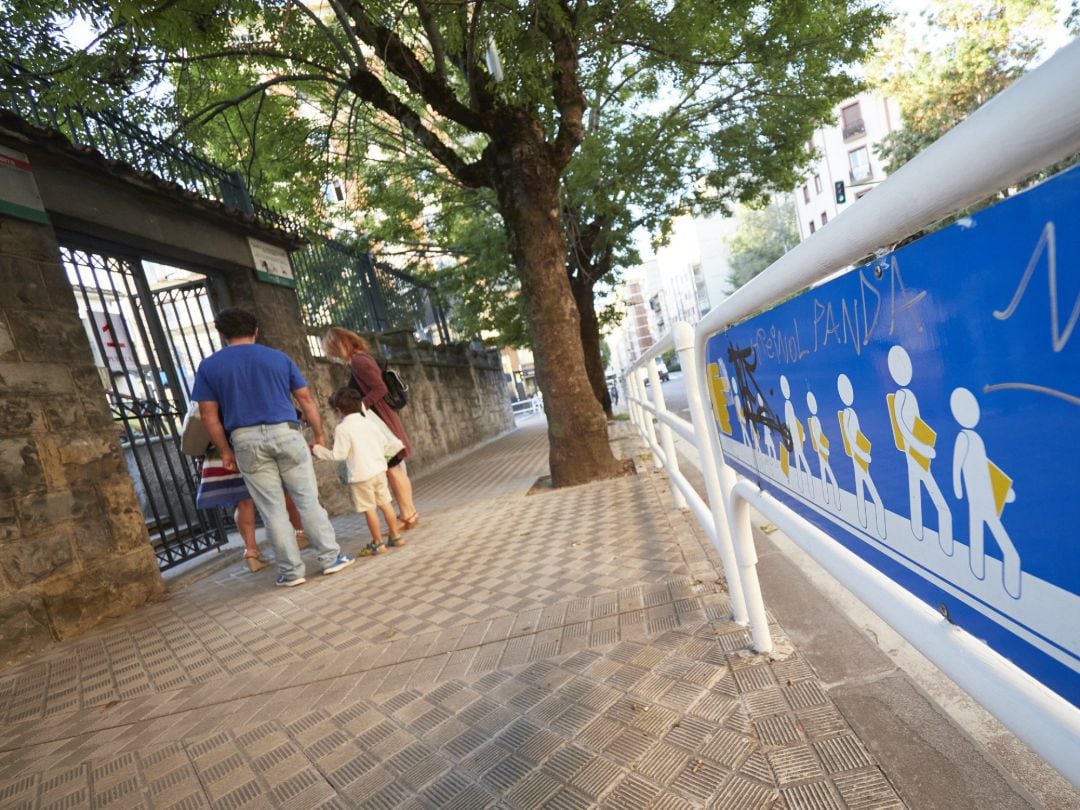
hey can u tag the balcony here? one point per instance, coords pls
(853, 129)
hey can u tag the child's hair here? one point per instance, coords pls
(347, 400)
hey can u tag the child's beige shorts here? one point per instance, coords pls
(366, 495)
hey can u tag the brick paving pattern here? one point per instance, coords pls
(566, 649)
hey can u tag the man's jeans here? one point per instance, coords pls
(272, 456)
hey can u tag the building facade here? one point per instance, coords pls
(847, 166)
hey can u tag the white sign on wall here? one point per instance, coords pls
(271, 263)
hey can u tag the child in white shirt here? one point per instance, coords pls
(363, 442)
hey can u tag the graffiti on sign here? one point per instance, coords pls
(924, 410)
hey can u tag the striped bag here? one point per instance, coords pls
(218, 486)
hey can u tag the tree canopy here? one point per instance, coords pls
(966, 52)
(493, 100)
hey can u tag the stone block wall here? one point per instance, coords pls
(73, 544)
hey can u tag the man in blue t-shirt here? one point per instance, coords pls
(245, 393)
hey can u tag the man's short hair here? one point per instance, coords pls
(235, 323)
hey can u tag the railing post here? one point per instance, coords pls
(710, 467)
(760, 637)
(647, 418)
(738, 524)
(631, 400)
(667, 443)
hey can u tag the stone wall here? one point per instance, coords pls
(73, 545)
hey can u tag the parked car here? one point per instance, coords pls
(661, 370)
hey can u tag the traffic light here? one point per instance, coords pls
(841, 195)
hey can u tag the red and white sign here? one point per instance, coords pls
(19, 195)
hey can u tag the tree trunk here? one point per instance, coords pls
(527, 184)
(584, 297)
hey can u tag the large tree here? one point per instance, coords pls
(731, 126)
(491, 96)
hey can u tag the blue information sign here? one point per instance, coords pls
(924, 410)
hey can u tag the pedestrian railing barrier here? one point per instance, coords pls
(911, 422)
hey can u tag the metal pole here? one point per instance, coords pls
(746, 554)
(667, 443)
(647, 418)
(952, 172)
(695, 395)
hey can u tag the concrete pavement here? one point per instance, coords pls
(937, 746)
(559, 649)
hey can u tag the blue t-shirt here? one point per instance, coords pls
(252, 385)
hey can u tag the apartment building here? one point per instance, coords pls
(847, 167)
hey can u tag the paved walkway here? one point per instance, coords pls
(566, 649)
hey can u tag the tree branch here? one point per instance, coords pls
(403, 63)
(330, 35)
(369, 88)
(218, 107)
(438, 52)
(566, 91)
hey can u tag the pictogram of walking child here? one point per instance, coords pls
(766, 438)
(749, 436)
(857, 446)
(798, 462)
(820, 443)
(916, 439)
(988, 489)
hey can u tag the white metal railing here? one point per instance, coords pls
(953, 172)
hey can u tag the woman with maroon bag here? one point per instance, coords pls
(344, 345)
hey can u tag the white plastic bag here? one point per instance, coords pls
(194, 438)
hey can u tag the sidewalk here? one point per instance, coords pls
(565, 649)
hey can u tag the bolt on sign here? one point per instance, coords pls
(924, 411)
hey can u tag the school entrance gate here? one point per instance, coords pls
(149, 325)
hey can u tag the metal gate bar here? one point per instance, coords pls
(140, 359)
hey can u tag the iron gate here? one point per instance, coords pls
(149, 325)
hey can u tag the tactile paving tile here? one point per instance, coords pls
(531, 664)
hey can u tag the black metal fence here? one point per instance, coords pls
(337, 284)
(118, 139)
(343, 286)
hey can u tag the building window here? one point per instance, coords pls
(335, 191)
(824, 218)
(812, 226)
(817, 183)
(851, 121)
(805, 193)
(859, 160)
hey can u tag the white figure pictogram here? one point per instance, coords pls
(857, 446)
(799, 473)
(987, 490)
(820, 442)
(749, 435)
(766, 439)
(916, 440)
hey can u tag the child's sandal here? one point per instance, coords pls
(371, 550)
(397, 541)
